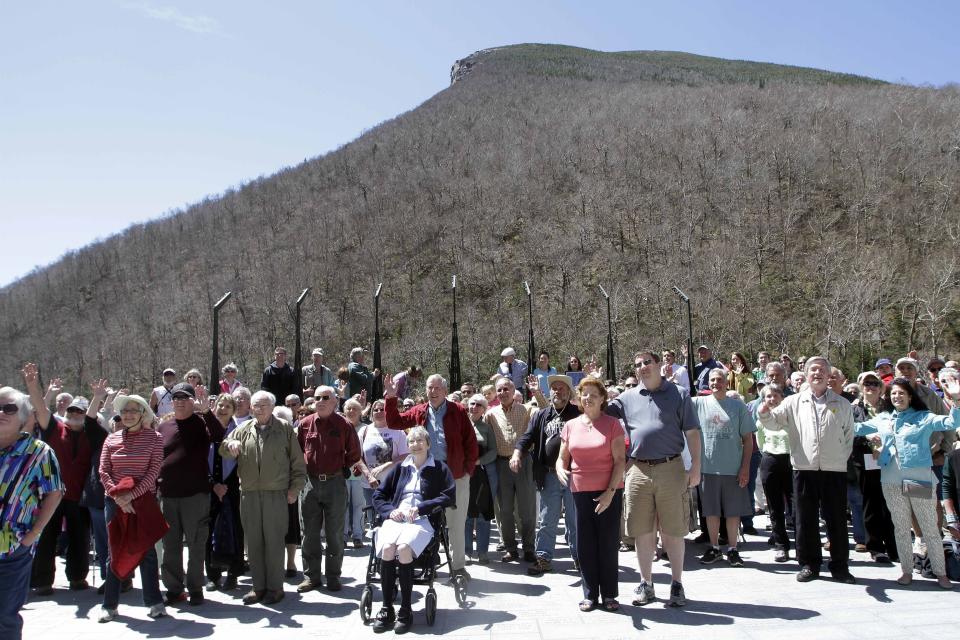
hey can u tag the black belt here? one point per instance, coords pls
(656, 461)
(323, 477)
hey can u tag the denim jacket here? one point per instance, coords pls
(909, 431)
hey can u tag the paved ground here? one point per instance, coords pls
(760, 600)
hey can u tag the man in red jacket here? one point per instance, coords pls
(452, 441)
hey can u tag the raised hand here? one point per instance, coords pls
(30, 374)
(533, 384)
(389, 390)
(55, 386)
(99, 389)
(201, 399)
(952, 387)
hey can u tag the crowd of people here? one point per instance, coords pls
(240, 479)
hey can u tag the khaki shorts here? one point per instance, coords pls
(656, 492)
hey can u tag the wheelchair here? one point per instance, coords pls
(425, 568)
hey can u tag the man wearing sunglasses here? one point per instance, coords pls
(659, 419)
(329, 445)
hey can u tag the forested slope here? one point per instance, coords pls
(802, 210)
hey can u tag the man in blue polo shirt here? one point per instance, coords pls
(659, 418)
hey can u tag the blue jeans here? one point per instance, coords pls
(98, 524)
(755, 457)
(482, 526)
(149, 572)
(855, 500)
(553, 496)
(14, 588)
(353, 522)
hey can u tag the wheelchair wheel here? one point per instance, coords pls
(366, 604)
(430, 604)
(460, 589)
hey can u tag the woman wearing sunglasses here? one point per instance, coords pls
(901, 440)
(32, 490)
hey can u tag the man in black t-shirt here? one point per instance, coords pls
(542, 442)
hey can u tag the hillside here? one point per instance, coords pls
(803, 210)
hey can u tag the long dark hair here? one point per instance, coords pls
(916, 402)
(579, 363)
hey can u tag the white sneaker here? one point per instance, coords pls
(107, 614)
(157, 611)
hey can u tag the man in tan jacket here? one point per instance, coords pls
(819, 424)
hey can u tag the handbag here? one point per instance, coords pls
(916, 488)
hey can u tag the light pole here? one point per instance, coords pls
(377, 366)
(689, 363)
(297, 355)
(454, 343)
(531, 347)
(611, 367)
(215, 358)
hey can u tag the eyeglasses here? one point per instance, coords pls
(871, 383)
(643, 363)
(935, 370)
(9, 408)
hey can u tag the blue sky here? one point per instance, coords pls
(118, 111)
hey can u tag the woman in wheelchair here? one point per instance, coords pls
(411, 492)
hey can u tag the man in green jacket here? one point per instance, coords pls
(272, 473)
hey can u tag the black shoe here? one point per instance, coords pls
(308, 585)
(290, 573)
(404, 620)
(44, 591)
(196, 598)
(807, 574)
(78, 585)
(781, 555)
(529, 556)
(711, 555)
(845, 578)
(273, 597)
(229, 584)
(733, 557)
(510, 556)
(750, 531)
(212, 585)
(385, 620)
(881, 558)
(333, 583)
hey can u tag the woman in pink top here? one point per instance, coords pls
(591, 461)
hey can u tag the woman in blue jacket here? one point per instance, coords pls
(412, 491)
(901, 443)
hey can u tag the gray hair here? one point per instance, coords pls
(64, 395)
(352, 403)
(479, 399)
(440, 378)
(948, 372)
(773, 386)
(242, 392)
(418, 431)
(24, 408)
(263, 395)
(292, 396)
(812, 359)
(283, 413)
(229, 367)
(776, 365)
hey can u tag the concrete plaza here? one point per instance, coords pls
(760, 600)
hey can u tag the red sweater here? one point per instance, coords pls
(462, 449)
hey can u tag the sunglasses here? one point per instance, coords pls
(324, 397)
(9, 409)
(643, 363)
(871, 383)
(74, 410)
(629, 386)
(935, 370)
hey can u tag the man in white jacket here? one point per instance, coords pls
(819, 424)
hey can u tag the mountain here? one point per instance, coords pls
(802, 210)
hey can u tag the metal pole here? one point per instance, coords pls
(297, 352)
(686, 299)
(531, 347)
(611, 366)
(215, 358)
(377, 366)
(454, 344)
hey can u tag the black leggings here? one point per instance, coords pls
(598, 544)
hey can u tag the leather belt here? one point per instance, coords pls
(655, 461)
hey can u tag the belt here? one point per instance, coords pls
(323, 477)
(655, 461)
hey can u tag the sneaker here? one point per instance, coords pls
(711, 555)
(677, 597)
(404, 620)
(643, 594)
(385, 619)
(107, 615)
(781, 556)
(733, 558)
(540, 567)
(157, 611)
(807, 574)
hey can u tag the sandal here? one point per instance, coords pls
(587, 605)
(611, 604)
